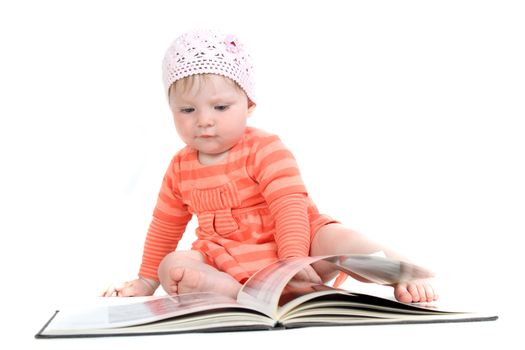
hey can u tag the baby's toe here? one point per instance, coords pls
(402, 294)
(422, 292)
(432, 294)
(414, 292)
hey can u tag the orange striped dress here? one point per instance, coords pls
(252, 208)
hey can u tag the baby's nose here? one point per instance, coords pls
(205, 119)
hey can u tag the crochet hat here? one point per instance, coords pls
(205, 52)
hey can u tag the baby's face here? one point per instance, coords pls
(210, 115)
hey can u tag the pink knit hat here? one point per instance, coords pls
(204, 52)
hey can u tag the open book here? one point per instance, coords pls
(270, 299)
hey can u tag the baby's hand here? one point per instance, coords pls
(308, 274)
(136, 288)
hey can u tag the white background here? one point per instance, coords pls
(406, 118)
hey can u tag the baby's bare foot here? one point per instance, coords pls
(203, 279)
(415, 292)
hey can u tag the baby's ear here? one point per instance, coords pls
(251, 108)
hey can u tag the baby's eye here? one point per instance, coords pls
(187, 110)
(221, 108)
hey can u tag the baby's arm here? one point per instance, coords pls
(277, 173)
(167, 226)
(293, 232)
(292, 227)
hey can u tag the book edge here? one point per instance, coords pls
(40, 332)
(473, 318)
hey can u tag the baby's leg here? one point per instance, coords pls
(336, 239)
(186, 272)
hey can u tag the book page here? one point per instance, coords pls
(378, 269)
(128, 314)
(263, 290)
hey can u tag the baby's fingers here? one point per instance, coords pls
(314, 277)
(308, 274)
(109, 292)
(113, 290)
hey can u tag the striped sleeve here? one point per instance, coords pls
(170, 218)
(280, 181)
(275, 169)
(292, 226)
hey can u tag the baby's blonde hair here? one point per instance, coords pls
(197, 80)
